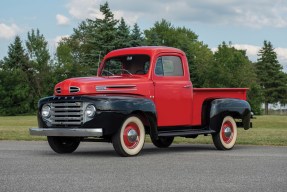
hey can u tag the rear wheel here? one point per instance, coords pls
(162, 142)
(63, 144)
(129, 140)
(225, 139)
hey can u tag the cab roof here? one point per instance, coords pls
(147, 50)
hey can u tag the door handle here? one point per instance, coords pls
(187, 86)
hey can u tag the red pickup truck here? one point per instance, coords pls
(139, 91)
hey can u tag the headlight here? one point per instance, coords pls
(46, 109)
(90, 111)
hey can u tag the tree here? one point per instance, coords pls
(17, 58)
(105, 32)
(136, 36)
(232, 68)
(123, 35)
(39, 57)
(270, 75)
(91, 40)
(15, 90)
(198, 54)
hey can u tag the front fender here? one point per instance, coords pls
(112, 110)
(238, 109)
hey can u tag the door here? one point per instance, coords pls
(173, 91)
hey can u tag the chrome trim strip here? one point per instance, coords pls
(116, 88)
(67, 132)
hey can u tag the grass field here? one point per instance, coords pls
(267, 130)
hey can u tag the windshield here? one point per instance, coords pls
(126, 65)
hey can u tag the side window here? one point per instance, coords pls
(169, 66)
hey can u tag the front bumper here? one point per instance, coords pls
(67, 132)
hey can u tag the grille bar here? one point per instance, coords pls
(66, 104)
(67, 123)
(67, 113)
(74, 89)
(66, 109)
(66, 118)
(58, 90)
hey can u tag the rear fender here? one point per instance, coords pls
(236, 108)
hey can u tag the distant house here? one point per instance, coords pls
(276, 109)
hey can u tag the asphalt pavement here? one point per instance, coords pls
(33, 166)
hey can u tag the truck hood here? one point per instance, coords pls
(99, 85)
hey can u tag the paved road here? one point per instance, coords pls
(32, 166)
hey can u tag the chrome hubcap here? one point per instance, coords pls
(132, 136)
(227, 132)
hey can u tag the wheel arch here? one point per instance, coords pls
(149, 120)
(138, 106)
(236, 108)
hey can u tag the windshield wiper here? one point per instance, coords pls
(106, 71)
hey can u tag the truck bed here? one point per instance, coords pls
(202, 94)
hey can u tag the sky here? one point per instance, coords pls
(245, 23)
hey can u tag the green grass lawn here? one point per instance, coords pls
(267, 130)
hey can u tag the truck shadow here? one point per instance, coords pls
(148, 150)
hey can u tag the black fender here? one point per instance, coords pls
(123, 106)
(112, 110)
(238, 109)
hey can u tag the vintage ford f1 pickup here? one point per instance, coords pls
(139, 91)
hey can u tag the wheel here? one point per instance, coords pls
(63, 144)
(129, 140)
(226, 137)
(162, 142)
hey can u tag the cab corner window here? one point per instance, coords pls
(168, 66)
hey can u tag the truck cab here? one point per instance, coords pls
(139, 91)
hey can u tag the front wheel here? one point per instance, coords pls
(129, 140)
(162, 142)
(63, 144)
(226, 137)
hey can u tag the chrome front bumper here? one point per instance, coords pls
(67, 132)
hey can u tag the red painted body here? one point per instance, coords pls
(177, 102)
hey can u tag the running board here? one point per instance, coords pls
(186, 132)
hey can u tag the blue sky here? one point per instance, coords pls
(246, 23)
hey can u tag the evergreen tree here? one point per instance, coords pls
(270, 75)
(106, 30)
(136, 36)
(15, 90)
(91, 40)
(123, 38)
(232, 68)
(17, 58)
(40, 75)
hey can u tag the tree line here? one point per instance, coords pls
(29, 72)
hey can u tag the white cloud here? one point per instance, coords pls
(83, 9)
(57, 39)
(282, 57)
(252, 51)
(248, 13)
(8, 31)
(62, 20)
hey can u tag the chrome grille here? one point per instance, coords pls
(74, 89)
(67, 114)
(58, 90)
